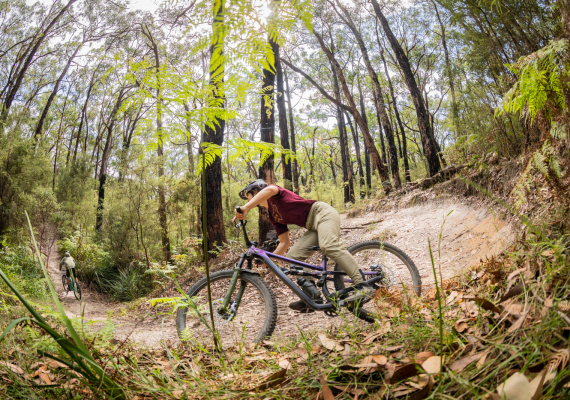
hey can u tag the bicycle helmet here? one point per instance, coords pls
(257, 184)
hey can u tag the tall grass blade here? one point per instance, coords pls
(438, 294)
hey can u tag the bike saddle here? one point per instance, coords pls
(314, 248)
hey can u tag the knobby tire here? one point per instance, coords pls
(416, 281)
(270, 317)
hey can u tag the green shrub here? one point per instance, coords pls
(24, 272)
(128, 284)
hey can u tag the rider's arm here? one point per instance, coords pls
(261, 197)
(284, 244)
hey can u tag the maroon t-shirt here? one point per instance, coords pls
(286, 208)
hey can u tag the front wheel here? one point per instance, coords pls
(374, 258)
(252, 320)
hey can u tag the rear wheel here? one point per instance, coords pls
(64, 283)
(76, 290)
(253, 320)
(374, 258)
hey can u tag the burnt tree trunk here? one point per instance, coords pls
(215, 229)
(283, 131)
(428, 141)
(267, 127)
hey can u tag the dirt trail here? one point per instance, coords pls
(471, 232)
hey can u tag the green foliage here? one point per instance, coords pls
(542, 81)
(21, 268)
(91, 258)
(127, 284)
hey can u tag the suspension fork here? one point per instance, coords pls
(233, 283)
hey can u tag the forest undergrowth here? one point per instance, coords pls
(499, 331)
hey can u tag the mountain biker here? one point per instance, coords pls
(323, 229)
(69, 264)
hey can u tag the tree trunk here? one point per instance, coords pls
(378, 99)
(356, 141)
(366, 154)
(267, 127)
(283, 131)
(104, 160)
(39, 126)
(162, 217)
(396, 113)
(29, 55)
(449, 72)
(216, 231)
(189, 141)
(368, 140)
(295, 171)
(428, 141)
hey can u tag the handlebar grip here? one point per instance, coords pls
(238, 209)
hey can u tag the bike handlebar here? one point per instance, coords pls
(242, 224)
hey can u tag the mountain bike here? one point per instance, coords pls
(73, 287)
(245, 308)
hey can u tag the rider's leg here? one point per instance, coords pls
(67, 273)
(327, 224)
(299, 251)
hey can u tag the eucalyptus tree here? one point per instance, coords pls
(21, 51)
(425, 128)
(346, 17)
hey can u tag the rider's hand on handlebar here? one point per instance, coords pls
(239, 216)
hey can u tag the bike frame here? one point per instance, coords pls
(266, 257)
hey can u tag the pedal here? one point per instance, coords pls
(330, 313)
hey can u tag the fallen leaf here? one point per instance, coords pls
(515, 291)
(302, 353)
(487, 305)
(461, 326)
(45, 379)
(40, 370)
(432, 365)
(424, 355)
(538, 382)
(325, 389)
(284, 363)
(482, 360)
(515, 273)
(390, 313)
(452, 296)
(548, 253)
(177, 394)
(404, 372)
(518, 323)
(57, 364)
(464, 362)
(273, 380)
(14, 368)
(517, 387)
(329, 343)
(71, 383)
(380, 359)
